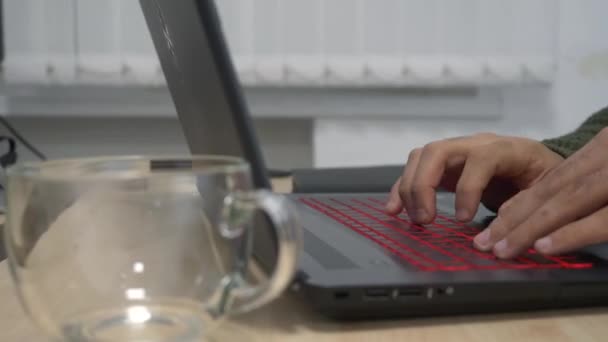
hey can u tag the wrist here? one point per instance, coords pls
(562, 148)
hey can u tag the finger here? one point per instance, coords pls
(394, 204)
(480, 167)
(493, 162)
(584, 232)
(405, 188)
(431, 167)
(498, 228)
(578, 199)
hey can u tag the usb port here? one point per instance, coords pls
(341, 295)
(408, 292)
(377, 294)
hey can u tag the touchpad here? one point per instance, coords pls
(324, 254)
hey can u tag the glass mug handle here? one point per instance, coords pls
(239, 208)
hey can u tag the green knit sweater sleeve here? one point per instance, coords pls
(570, 143)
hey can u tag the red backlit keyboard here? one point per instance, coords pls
(445, 245)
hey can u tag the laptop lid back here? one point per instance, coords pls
(210, 105)
(200, 76)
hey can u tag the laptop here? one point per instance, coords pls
(357, 262)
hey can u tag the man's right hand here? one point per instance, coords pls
(484, 168)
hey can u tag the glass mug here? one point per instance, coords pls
(140, 248)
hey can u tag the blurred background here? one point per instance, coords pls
(329, 82)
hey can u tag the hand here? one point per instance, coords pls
(566, 210)
(484, 167)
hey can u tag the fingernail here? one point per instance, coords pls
(543, 245)
(501, 248)
(482, 240)
(421, 215)
(462, 215)
(390, 205)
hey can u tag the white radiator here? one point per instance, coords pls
(386, 43)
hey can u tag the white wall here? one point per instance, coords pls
(580, 88)
(534, 110)
(286, 143)
(582, 84)
(314, 42)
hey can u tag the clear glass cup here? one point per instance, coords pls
(140, 248)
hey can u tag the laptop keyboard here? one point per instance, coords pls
(445, 245)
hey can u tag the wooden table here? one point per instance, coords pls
(287, 319)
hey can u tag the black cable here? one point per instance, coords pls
(21, 139)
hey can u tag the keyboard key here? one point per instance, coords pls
(538, 259)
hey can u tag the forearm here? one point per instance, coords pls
(572, 142)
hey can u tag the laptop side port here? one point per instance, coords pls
(341, 295)
(409, 292)
(448, 291)
(377, 294)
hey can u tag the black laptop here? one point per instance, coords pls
(357, 261)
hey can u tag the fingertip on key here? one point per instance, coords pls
(501, 249)
(421, 216)
(543, 245)
(463, 215)
(392, 206)
(482, 240)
